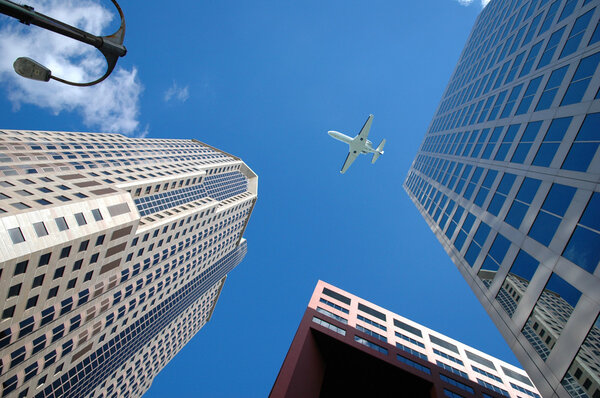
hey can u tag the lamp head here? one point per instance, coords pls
(30, 69)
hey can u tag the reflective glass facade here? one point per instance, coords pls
(508, 179)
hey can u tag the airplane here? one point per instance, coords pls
(359, 144)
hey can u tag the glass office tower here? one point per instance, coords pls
(113, 253)
(508, 179)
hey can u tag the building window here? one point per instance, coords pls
(40, 229)
(552, 311)
(581, 80)
(370, 345)
(553, 42)
(37, 281)
(77, 264)
(451, 394)
(456, 383)
(16, 235)
(583, 249)
(8, 312)
(100, 240)
(97, 215)
(585, 146)
(84, 245)
(528, 96)
(53, 292)
(21, 267)
(31, 302)
(64, 253)
(520, 205)
(329, 326)
(79, 217)
(550, 215)
(577, 32)
(414, 364)
(14, 290)
(59, 272)
(61, 223)
(478, 240)
(552, 86)
(551, 142)
(575, 380)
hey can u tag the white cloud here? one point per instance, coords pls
(177, 93)
(110, 106)
(468, 2)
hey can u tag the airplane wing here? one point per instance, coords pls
(364, 132)
(349, 160)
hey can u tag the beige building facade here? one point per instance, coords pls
(113, 253)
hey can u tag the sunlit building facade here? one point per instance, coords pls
(113, 253)
(347, 346)
(508, 179)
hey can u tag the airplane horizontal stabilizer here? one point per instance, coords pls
(379, 151)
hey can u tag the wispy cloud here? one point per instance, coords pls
(469, 2)
(177, 93)
(111, 106)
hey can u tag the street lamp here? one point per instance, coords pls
(110, 46)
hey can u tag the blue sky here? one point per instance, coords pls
(266, 80)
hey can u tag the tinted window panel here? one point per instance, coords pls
(583, 249)
(544, 227)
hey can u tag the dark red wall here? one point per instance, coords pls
(324, 364)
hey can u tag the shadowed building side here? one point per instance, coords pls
(346, 346)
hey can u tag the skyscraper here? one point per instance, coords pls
(508, 179)
(114, 251)
(347, 346)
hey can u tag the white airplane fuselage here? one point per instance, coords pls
(357, 144)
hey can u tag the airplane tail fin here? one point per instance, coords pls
(379, 151)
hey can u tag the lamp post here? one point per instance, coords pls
(110, 46)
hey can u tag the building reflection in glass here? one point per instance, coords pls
(548, 319)
(493, 259)
(582, 380)
(516, 282)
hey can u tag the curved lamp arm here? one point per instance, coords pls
(110, 46)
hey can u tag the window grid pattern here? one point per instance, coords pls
(486, 373)
(371, 333)
(334, 305)
(411, 351)
(90, 319)
(457, 383)
(493, 387)
(410, 339)
(414, 364)
(331, 315)
(218, 187)
(447, 356)
(370, 322)
(371, 345)
(329, 326)
(452, 369)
